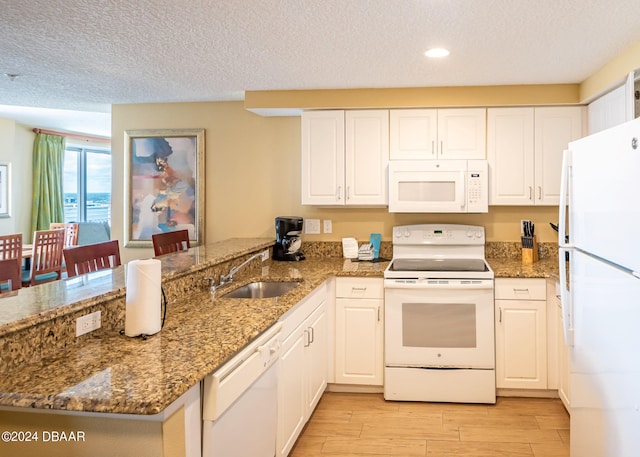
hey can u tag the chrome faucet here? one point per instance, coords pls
(226, 279)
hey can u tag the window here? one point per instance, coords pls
(87, 184)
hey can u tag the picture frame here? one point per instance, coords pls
(5, 189)
(165, 184)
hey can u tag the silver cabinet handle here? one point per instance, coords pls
(500, 315)
(348, 192)
(520, 291)
(433, 147)
(307, 342)
(311, 335)
(530, 193)
(441, 147)
(539, 192)
(378, 314)
(339, 194)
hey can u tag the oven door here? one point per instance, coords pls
(427, 186)
(439, 323)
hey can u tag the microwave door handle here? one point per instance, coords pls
(461, 191)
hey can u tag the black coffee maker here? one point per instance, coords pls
(288, 239)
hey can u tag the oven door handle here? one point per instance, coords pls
(438, 284)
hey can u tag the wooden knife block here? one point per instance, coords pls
(530, 255)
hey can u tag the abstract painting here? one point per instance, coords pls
(166, 184)
(5, 189)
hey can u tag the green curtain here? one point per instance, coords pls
(48, 199)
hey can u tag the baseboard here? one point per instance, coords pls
(354, 388)
(528, 393)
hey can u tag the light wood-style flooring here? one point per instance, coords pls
(351, 425)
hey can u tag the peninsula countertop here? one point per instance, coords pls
(112, 373)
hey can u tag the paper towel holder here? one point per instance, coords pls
(163, 304)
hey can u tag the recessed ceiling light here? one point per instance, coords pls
(437, 52)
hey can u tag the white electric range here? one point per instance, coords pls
(439, 316)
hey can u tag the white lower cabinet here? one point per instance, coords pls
(303, 369)
(521, 333)
(359, 331)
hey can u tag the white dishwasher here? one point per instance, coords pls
(240, 401)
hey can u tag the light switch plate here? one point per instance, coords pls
(312, 226)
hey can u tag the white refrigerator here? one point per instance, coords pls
(600, 290)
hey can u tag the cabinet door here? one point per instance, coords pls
(608, 110)
(366, 157)
(555, 127)
(510, 154)
(413, 134)
(462, 133)
(521, 344)
(323, 157)
(359, 342)
(316, 357)
(291, 392)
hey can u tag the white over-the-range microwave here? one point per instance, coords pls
(438, 186)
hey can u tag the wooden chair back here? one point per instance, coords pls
(11, 246)
(46, 261)
(168, 242)
(92, 257)
(71, 232)
(10, 274)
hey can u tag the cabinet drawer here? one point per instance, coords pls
(520, 289)
(359, 288)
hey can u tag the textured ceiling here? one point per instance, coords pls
(86, 54)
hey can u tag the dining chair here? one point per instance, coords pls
(10, 277)
(46, 260)
(11, 246)
(71, 232)
(168, 242)
(91, 257)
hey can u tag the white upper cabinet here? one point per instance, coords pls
(366, 157)
(524, 149)
(344, 157)
(323, 157)
(608, 110)
(510, 155)
(555, 128)
(417, 134)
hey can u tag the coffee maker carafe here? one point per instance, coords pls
(288, 239)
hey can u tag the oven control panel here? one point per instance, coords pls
(447, 234)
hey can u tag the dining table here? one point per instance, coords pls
(27, 253)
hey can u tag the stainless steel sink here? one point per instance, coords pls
(262, 289)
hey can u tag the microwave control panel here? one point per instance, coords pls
(477, 186)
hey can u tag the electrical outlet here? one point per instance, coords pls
(265, 255)
(88, 323)
(328, 226)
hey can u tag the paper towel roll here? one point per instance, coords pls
(143, 298)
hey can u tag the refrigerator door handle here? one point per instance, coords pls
(566, 299)
(564, 200)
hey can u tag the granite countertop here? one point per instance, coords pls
(112, 373)
(514, 268)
